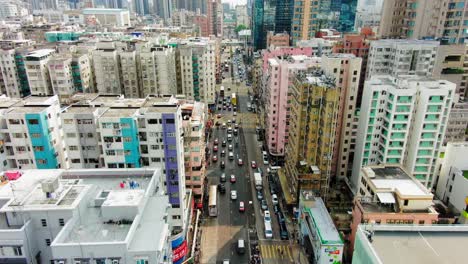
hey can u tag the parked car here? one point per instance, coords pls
(216, 141)
(222, 178)
(215, 148)
(223, 164)
(267, 216)
(259, 195)
(215, 158)
(240, 162)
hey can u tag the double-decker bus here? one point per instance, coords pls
(213, 202)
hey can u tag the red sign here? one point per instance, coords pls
(179, 252)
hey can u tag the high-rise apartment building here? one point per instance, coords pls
(346, 71)
(61, 76)
(278, 77)
(31, 133)
(215, 17)
(314, 105)
(196, 67)
(401, 57)
(157, 69)
(163, 8)
(242, 17)
(449, 66)
(38, 72)
(193, 123)
(107, 68)
(129, 73)
(263, 21)
(310, 16)
(402, 121)
(416, 19)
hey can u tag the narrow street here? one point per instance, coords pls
(220, 234)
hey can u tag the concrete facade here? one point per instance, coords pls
(416, 19)
(402, 121)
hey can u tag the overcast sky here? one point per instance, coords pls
(235, 2)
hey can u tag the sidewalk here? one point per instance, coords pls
(299, 254)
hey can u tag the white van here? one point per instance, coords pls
(229, 137)
(231, 156)
(265, 155)
(268, 230)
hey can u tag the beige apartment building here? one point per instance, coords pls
(416, 19)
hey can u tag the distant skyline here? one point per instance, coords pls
(235, 2)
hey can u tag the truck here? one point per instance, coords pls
(258, 181)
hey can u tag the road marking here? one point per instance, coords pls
(288, 249)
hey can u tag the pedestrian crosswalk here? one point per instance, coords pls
(276, 251)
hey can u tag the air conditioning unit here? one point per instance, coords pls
(115, 261)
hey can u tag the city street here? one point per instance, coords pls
(220, 234)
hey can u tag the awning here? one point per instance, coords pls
(386, 197)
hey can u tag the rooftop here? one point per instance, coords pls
(417, 244)
(395, 179)
(326, 228)
(40, 53)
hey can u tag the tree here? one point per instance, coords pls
(240, 28)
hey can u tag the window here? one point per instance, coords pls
(61, 222)
(68, 121)
(47, 241)
(44, 222)
(17, 251)
(154, 147)
(35, 135)
(71, 135)
(170, 134)
(73, 147)
(170, 121)
(406, 202)
(33, 121)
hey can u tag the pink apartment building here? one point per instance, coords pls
(389, 195)
(277, 79)
(193, 122)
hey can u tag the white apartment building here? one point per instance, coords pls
(346, 69)
(107, 16)
(196, 67)
(397, 57)
(320, 46)
(129, 69)
(457, 123)
(82, 71)
(242, 16)
(9, 73)
(61, 76)
(157, 70)
(402, 121)
(85, 216)
(81, 141)
(107, 68)
(8, 9)
(452, 182)
(30, 129)
(38, 72)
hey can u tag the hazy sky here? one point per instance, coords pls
(235, 2)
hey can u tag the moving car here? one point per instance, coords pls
(233, 195)
(216, 141)
(253, 164)
(274, 199)
(233, 178)
(240, 162)
(230, 147)
(222, 178)
(215, 158)
(222, 188)
(224, 143)
(223, 165)
(264, 205)
(241, 206)
(223, 153)
(215, 148)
